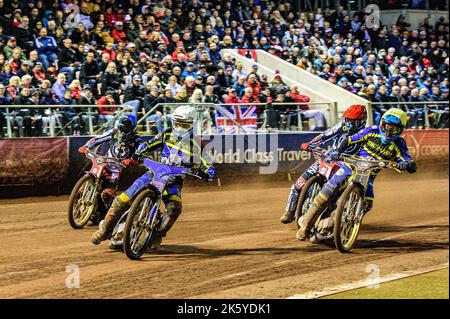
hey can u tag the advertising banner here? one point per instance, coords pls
(428, 145)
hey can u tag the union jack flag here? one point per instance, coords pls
(245, 116)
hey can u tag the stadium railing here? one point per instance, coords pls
(425, 106)
(52, 110)
(329, 110)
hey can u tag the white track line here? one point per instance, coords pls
(366, 283)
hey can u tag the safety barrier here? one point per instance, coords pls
(51, 166)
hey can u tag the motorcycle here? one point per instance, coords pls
(322, 229)
(135, 230)
(351, 206)
(84, 198)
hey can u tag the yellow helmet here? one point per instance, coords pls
(392, 124)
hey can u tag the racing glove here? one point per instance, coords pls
(129, 161)
(83, 149)
(335, 155)
(305, 146)
(207, 175)
(408, 166)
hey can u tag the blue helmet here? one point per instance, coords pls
(392, 125)
(127, 125)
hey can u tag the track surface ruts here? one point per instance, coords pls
(228, 243)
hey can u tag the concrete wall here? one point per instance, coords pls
(314, 83)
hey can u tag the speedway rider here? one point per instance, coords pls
(354, 120)
(122, 143)
(179, 148)
(378, 142)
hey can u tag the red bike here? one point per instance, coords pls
(323, 227)
(85, 195)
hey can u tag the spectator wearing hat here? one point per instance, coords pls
(27, 115)
(255, 72)
(118, 33)
(8, 49)
(232, 97)
(134, 94)
(135, 70)
(82, 122)
(189, 70)
(179, 49)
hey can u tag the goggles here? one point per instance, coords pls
(390, 129)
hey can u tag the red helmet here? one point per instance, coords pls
(355, 118)
(355, 112)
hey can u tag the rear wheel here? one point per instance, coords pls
(307, 195)
(82, 202)
(142, 219)
(347, 221)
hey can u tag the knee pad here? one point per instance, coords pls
(173, 208)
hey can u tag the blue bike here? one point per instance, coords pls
(145, 215)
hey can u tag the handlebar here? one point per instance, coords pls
(373, 164)
(103, 159)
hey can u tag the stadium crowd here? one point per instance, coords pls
(142, 53)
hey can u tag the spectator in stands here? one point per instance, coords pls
(59, 88)
(232, 97)
(165, 42)
(67, 60)
(89, 72)
(108, 108)
(47, 48)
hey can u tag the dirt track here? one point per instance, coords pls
(227, 244)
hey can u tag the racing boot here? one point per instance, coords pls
(289, 212)
(173, 210)
(313, 212)
(118, 207)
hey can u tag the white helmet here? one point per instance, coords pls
(183, 118)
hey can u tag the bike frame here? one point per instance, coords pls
(160, 174)
(362, 169)
(326, 169)
(99, 163)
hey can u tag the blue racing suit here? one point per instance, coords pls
(177, 150)
(182, 151)
(371, 148)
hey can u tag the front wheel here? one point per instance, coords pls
(307, 195)
(347, 221)
(82, 201)
(143, 217)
